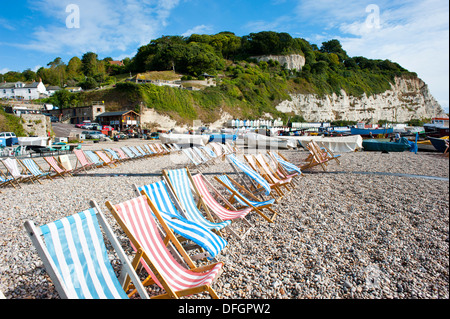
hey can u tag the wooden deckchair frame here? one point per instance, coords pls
(242, 198)
(64, 171)
(35, 234)
(210, 212)
(169, 239)
(37, 178)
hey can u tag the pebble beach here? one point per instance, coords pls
(374, 227)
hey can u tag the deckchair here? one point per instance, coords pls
(272, 176)
(259, 185)
(160, 148)
(105, 159)
(236, 190)
(199, 152)
(211, 155)
(128, 152)
(56, 167)
(6, 180)
(94, 158)
(192, 157)
(287, 166)
(82, 161)
(180, 185)
(316, 157)
(136, 152)
(75, 257)
(143, 151)
(121, 154)
(12, 166)
(135, 217)
(328, 153)
(149, 151)
(33, 168)
(174, 217)
(202, 187)
(113, 155)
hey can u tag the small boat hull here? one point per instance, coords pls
(382, 146)
(438, 143)
(375, 132)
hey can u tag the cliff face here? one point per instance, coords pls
(407, 99)
(292, 62)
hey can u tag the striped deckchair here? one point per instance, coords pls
(136, 219)
(251, 174)
(113, 155)
(288, 166)
(75, 257)
(148, 150)
(201, 155)
(136, 152)
(206, 239)
(213, 156)
(128, 152)
(180, 185)
(191, 156)
(160, 148)
(272, 176)
(105, 158)
(94, 158)
(82, 160)
(56, 167)
(121, 154)
(203, 187)
(6, 180)
(14, 169)
(236, 190)
(33, 168)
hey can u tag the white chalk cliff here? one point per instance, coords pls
(407, 99)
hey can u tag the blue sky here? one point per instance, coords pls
(413, 33)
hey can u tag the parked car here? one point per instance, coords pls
(96, 135)
(94, 126)
(88, 126)
(107, 128)
(80, 125)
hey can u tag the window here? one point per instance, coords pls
(29, 91)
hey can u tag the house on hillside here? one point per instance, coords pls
(23, 91)
(76, 115)
(118, 63)
(52, 90)
(121, 120)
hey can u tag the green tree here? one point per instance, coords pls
(89, 64)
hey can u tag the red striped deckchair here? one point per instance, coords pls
(83, 161)
(202, 186)
(59, 170)
(105, 158)
(121, 154)
(136, 219)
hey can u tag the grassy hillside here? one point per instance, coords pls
(11, 123)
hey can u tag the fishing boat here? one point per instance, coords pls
(366, 130)
(439, 127)
(439, 143)
(382, 145)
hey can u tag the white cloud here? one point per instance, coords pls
(200, 29)
(413, 33)
(4, 70)
(106, 26)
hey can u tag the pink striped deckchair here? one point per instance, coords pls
(105, 158)
(137, 219)
(83, 161)
(154, 149)
(203, 186)
(121, 154)
(59, 170)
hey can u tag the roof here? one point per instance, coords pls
(115, 113)
(119, 63)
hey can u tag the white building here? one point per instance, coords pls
(20, 90)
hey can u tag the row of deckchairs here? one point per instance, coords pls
(209, 154)
(165, 215)
(319, 155)
(29, 171)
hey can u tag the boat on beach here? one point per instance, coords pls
(376, 145)
(439, 143)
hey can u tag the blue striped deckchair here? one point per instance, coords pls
(257, 205)
(113, 155)
(94, 158)
(143, 151)
(191, 156)
(129, 153)
(32, 167)
(203, 237)
(136, 152)
(6, 181)
(256, 177)
(75, 256)
(289, 167)
(180, 184)
(201, 155)
(149, 151)
(209, 152)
